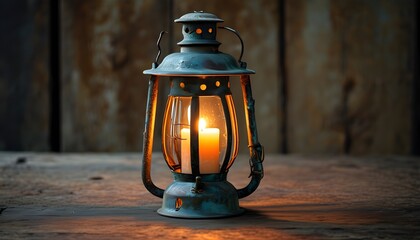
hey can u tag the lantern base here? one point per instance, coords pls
(209, 197)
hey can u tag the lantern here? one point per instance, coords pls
(199, 131)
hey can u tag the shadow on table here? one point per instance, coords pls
(320, 220)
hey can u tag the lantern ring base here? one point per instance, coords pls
(216, 199)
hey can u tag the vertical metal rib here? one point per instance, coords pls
(148, 134)
(165, 135)
(194, 128)
(255, 149)
(229, 134)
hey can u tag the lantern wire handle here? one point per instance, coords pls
(242, 64)
(156, 64)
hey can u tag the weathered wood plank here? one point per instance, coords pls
(350, 70)
(257, 23)
(105, 47)
(67, 196)
(24, 75)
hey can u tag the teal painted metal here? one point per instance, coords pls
(205, 196)
(201, 195)
(199, 55)
(194, 63)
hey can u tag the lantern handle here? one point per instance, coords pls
(241, 64)
(155, 63)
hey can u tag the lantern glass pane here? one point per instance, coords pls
(235, 135)
(176, 118)
(213, 133)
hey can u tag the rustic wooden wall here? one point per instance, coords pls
(332, 76)
(105, 47)
(104, 52)
(350, 72)
(24, 75)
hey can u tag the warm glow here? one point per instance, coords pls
(209, 147)
(189, 115)
(202, 124)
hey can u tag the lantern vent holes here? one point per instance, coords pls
(208, 86)
(199, 31)
(178, 204)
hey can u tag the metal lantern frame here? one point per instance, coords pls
(198, 64)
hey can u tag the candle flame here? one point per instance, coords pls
(202, 124)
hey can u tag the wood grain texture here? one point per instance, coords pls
(91, 196)
(24, 75)
(106, 45)
(350, 71)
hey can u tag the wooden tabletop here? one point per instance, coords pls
(101, 196)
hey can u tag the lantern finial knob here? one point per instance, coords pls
(199, 28)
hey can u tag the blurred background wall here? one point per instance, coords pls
(333, 77)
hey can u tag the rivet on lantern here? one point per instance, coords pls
(199, 131)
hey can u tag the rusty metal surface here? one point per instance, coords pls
(24, 77)
(105, 47)
(349, 66)
(256, 151)
(148, 137)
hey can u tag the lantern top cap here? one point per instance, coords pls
(198, 16)
(199, 53)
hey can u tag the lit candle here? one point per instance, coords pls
(208, 141)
